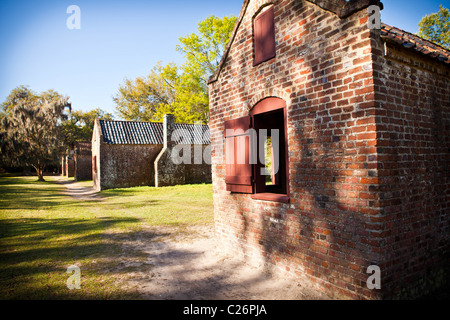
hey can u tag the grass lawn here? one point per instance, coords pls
(42, 232)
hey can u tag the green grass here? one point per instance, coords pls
(42, 232)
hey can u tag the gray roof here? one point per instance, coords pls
(192, 133)
(133, 132)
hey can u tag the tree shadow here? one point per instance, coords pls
(35, 253)
(38, 248)
(57, 227)
(13, 196)
(111, 193)
(182, 272)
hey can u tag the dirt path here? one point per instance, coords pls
(78, 191)
(194, 267)
(190, 265)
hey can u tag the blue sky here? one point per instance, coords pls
(117, 40)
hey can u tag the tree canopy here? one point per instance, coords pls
(31, 132)
(204, 50)
(79, 125)
(436, 27)
(179, 89)
(140, 99)
(36, 128)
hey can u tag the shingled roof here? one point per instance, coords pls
(413, 42)
(133, 132)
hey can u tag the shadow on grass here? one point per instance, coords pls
(35, 253)
(22, 193)
(130, 205)
(173, 190)
(111, 193)
(51, 233)
(56, 227)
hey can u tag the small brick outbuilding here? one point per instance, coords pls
(83, 160)
(361, 173)
(68, 164)
(129, 154)
(77, 163)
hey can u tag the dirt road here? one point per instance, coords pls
(191, 265)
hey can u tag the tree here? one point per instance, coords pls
(203, 51)
(140, 99)
(192, 102)
(180, 90)
(79, 125)
(31, 129)
(17, 94)
(436, 27)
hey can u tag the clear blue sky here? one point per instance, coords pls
(117, 40)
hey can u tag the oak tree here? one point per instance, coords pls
(31, 129)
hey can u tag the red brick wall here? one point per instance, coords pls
(83, 161)
(83, 167)
(334, 227)
(413, 144)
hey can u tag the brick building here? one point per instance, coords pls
(77, 163)
(83, 160)
(363, 161)
(68, 164)
(128, 154)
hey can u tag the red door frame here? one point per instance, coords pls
(264, 106)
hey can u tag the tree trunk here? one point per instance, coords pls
(41, 176)
(40, 173)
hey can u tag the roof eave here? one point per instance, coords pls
(341, 8)
(414, 43)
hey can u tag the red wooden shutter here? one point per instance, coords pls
(237, 155)
(264, 36)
